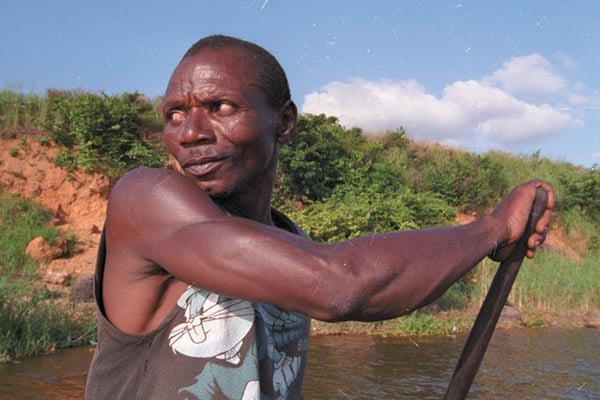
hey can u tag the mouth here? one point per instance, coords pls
(202, 166)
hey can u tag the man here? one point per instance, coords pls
(204, 291)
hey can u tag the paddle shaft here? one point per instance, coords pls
(489, 314)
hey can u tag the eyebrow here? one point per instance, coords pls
(169, 104)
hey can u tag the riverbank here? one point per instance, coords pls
(559, 288)
(454, 322)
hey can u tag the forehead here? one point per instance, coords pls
(228, 69)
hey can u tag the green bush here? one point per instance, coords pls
(583, 192)
(312, 164)
(458, 296)
(102, 133)
(58, 123)
(337, 183)
(350, 214)
(470, 181)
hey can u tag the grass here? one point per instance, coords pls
(18, 111)
(415, 324)
(550, 285)
(551, 282)
(20, 221)
(32, 319)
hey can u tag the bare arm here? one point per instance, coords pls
(159, 218)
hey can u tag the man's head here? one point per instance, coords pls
(220, 123)
(272, 78)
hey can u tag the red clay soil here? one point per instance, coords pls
(78, 200)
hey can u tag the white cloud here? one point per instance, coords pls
(498, 117)
(382, 105)
(528, 75)
(481, 114)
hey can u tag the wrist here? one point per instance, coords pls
(494, 235)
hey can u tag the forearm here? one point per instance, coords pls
(396, 273)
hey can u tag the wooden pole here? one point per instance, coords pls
(489, 314)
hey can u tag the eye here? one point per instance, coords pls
(175, 116)
(222, 108)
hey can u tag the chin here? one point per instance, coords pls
(217, 192)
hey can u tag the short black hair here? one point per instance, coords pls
(272, 76)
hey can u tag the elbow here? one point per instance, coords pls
(343, 299)
(338, 308)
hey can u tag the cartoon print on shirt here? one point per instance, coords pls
(215, 330)
(208, 331)
(279, 329)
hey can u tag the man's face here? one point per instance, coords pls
(218, 125)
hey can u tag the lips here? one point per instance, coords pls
(200, 166)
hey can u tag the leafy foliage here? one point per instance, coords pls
(337, 183)
(350, 214)
(101, 133)
(347, 187)
(466, 180)
(313, 163)
(583, 192)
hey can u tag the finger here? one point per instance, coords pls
(550, 192)
(543, 223)
(534, 241)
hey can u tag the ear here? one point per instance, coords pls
(288, 114)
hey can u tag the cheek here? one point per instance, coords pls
(169, 142)
(260, 155)
(252, 139)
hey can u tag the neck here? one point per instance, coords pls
(253, 200)
(253, 204)
(233, 205)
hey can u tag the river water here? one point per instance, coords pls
(545, 363)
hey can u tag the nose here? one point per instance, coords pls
(196, 130)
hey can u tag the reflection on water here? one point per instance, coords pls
(363, 367)
(519, 364)
(60, 376)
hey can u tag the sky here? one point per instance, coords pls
(516, 76)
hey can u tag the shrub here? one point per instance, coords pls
(350, 214)
(583, 192)
(312, 164)
(467, 180)
(102, 133)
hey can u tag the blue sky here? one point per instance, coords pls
(517, 76)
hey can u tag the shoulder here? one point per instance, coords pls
(144, 185)
(149, 180)
(151, 198)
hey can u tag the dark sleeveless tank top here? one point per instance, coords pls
(208, 347)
